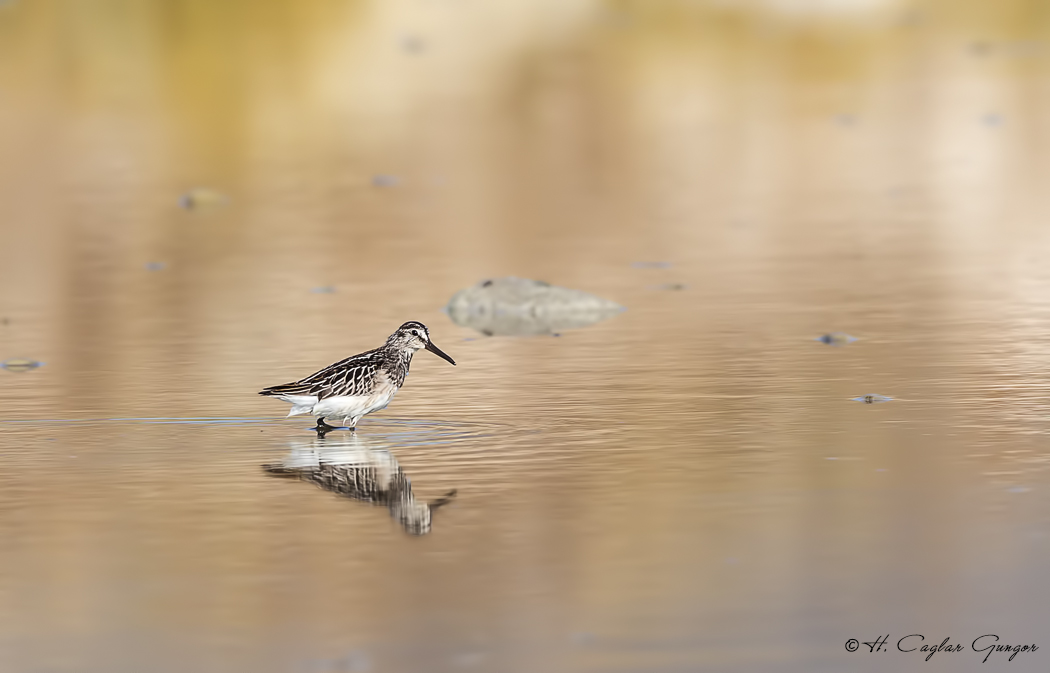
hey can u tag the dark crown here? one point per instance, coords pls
(412, 324)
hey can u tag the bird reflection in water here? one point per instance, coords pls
(349, 466)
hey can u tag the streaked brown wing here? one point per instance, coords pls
(353, 376)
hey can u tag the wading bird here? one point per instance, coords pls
(360, 384)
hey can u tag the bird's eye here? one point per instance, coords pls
(415, 333)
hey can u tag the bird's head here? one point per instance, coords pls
(414, 336)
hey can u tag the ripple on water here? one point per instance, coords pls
(475, 458)
(486, 455)
(434, 446)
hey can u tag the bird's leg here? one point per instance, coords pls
(443, 500)
(323, 428)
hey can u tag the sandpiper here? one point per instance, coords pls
(360, 384)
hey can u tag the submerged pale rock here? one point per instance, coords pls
(519, 307)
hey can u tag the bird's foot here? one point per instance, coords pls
(323, 428)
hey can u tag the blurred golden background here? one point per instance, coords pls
(198, 199)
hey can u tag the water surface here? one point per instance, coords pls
(685, 486)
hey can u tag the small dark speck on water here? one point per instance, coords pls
(845, 119)
(651, 265)
(202, 198)
(555, 334)
(468, 659)
(912, 18)
(155, 266)
(616, 18)
(355, 661)
(385, 181)
(836, 339)
(487, 283)
(5, 321)
(582, 638)
(674, 287)
(871, 399)
(20, 364)
(323, 289)
(992, 120)
(413, 44)
(980, 48)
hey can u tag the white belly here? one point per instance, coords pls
(351, 408)
(348, 408)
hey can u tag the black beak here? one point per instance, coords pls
(438, 352)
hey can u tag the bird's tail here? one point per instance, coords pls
(301, 404)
